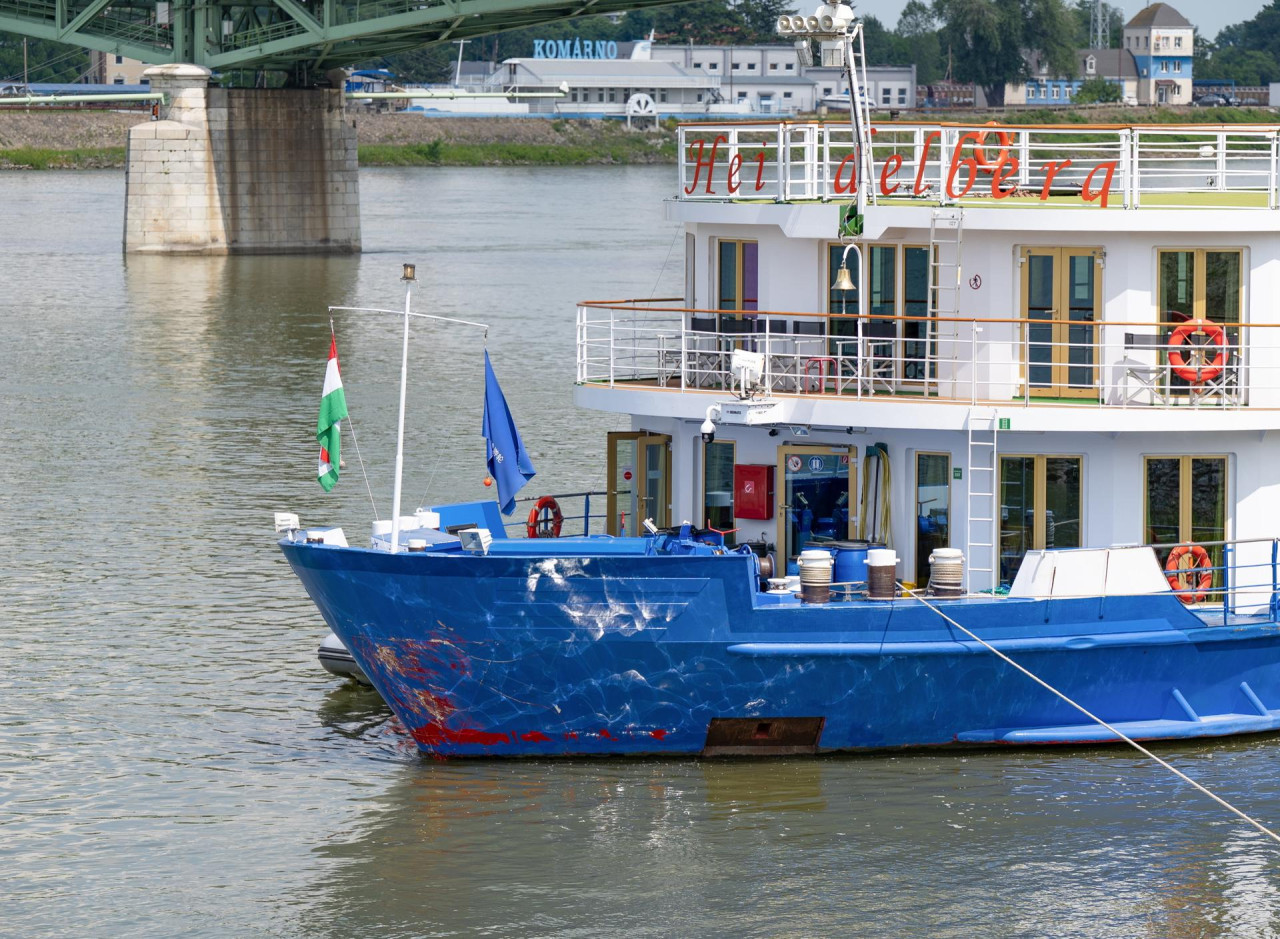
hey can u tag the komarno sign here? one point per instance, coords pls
(971, 163)
(574, 49)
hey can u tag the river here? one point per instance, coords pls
(173, 761)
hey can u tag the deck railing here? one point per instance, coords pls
(989, 360)
(1066, 166)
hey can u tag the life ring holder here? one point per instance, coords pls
(1217, 336)
(1175, 573)
(980, 153)
(545, 519)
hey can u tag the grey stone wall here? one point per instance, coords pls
(242, 171)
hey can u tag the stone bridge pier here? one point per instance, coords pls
(241, 171)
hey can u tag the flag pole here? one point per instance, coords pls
(408, 279)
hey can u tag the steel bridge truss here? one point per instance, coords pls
(297, 36)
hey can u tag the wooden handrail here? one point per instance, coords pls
(628, 305)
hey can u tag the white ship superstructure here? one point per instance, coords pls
(1051, 336)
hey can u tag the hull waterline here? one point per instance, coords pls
(656, 655)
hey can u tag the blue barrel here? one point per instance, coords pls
(851, 561)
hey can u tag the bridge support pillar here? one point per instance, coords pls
(241, 171)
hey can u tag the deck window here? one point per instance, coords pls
(1185, 500)
(717, 486)
(899, 287)
(1040, 503)
(1200, 284)
(738, 276)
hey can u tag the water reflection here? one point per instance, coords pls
(923, 845)
(173, 760)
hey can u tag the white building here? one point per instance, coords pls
(769, 79)
(604, 87)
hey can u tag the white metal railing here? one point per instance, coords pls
(1065, 166)
(1025, 361)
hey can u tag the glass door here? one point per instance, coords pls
(1040, 507)
(933, 509)
(1185, 501)
(1061, 299)
(639, 474)
(815, 498)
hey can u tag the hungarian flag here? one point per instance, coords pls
(333, 408)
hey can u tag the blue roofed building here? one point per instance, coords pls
(1152, 67)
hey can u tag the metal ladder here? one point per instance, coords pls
(946, 241)
(982, 553)
(854, 49)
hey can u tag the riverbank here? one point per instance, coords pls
(81, 139)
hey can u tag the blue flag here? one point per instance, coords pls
(509, 464)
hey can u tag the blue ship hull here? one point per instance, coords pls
(553, 648)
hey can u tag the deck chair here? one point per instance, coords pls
(1223, 388)
(704, 354)
(810, 343)
(878, 366)
(1141, 377)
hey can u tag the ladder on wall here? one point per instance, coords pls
(982, 550)
(946, 241)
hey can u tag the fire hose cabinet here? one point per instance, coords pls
(753, 491)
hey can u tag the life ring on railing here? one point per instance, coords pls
(545, 519)
(1179, 576)
(980, 153)
(1198, 374)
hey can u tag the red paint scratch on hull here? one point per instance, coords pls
(431, 735)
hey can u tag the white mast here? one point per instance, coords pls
(408, 279)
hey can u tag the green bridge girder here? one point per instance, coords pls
(298, 36)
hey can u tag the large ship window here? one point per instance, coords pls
(898, 279)
(738, 277)
(1185, 500)
(1040, 502)
(1200, 283)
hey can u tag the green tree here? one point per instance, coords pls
(1097, 91)
(1248, 52)
(917, 36)
(46, 61)
(1243, 66)
(989, 40)
(1113, 20)
(761, 17)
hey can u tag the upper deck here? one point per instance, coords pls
(978, 166)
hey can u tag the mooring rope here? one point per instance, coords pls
(351, 422)
(1093, 717)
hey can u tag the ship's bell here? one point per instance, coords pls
(843, 280)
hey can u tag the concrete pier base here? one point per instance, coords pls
(241, 171)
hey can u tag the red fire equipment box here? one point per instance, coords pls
(753, 491)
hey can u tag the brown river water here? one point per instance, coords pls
(173, 761)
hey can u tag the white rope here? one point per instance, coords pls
(1093, 717)
(662, 270)
(360, 459)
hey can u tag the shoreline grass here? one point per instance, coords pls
(38, 158)
(442, 153)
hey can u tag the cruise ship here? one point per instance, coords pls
(943, 406)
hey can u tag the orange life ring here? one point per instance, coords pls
(545, 519)
(1178, 576)
(980, 154)
(1204, 373)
